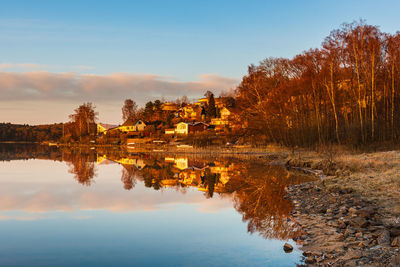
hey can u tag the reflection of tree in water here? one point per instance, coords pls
(15, 151)
(259, 196)
(128, 176)
(82, 165)
(154, 173)
(209, 180)
(258, 189)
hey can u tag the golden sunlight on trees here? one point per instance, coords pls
(345, 92)
(84, 120)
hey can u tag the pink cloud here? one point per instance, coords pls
(27, 97)
(116, 86)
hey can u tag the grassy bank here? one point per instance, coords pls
(375, 176)
(351, 217)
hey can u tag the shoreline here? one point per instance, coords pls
(341, 224)
(350, 216)
(267, 152)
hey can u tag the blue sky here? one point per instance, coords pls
(178, 41)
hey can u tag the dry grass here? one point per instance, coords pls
(375, 176)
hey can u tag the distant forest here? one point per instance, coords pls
(28, 133)
(345, 92)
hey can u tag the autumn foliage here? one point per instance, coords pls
(347, 91)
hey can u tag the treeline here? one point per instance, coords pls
(345, 92)
(28, 133)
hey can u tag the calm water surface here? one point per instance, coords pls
(69, 207)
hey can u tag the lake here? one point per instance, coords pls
(94, 207)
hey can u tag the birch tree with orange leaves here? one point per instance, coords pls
(345, 92)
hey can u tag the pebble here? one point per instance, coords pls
(309, 260)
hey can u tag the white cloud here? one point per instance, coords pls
(43, 85)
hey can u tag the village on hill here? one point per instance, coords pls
(167, 122)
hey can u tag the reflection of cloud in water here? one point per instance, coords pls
(215, 204)
(82, 217)
(20, 218)
(64, 199)
(255, 189)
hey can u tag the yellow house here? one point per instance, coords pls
(219, 121)
(220, 102)
(140, 125)
(182, 128)
(191, 112)
(130, 126)
(170, 131)
(102, 128)
(203, 101)
(169, 106)
(225, 113)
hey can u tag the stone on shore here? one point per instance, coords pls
(287, 247)
(339, 228)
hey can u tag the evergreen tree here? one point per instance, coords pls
(212, 111)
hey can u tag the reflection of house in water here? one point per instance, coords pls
(103, 160)
(223, 170)
(175, 172)
(138, 162)
(185, 163)
(169, 182)
(191, 177)
(181, 163)
(193, 173)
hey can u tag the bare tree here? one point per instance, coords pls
(129, 110)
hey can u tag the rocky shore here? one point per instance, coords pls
(340, 228)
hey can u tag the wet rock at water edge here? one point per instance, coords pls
(287, 248)
(310, 260)
(307, 253)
